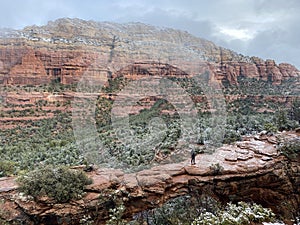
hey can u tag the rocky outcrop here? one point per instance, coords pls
(251, 170)
(30, 71)
(258, 69)
(26, 65)
(64, 49)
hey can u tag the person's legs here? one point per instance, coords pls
(193, 162)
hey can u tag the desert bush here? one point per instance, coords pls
(181, 210)
(242, 213)
(231, 136)
(290, 148)
(294, 111)
(6, 168)
(114, 202)
(43, 142)
(216, 168)
(202, 209)
(270, 127)
(86, 220)
(60, 183)
(115, 216)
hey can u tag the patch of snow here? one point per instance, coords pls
(265, 223)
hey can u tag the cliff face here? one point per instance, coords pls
(261, 70)
(65, 48)
(253, 170)
(26, 65)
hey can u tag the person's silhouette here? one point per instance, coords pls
(193, 156)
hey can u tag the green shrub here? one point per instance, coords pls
(60, 183)
(290, 148)
(115, 216)
(179, 211)
(270, 128)
(231, 136)
(216, 168)
(242, 213)
(86, 220)
(295, 110)
(6, 168)
(283, 122)
(114, 202)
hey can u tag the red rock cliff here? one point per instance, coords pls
(65, 48)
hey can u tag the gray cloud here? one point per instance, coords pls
(263, 28)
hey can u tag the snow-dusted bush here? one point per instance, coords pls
(242, 213)
(60, 183)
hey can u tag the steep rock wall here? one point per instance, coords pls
(38, 66)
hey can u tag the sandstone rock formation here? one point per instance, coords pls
(253, 170)
(65, 48)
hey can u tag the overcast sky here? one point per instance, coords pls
(264, 28)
